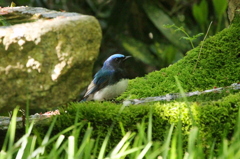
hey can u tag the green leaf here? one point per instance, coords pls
(200, 13)
(220, 7)
(138, 50)
(198, 35)
(161, 20)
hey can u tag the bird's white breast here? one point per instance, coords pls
(111, 91)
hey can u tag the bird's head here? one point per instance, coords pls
(115, 61)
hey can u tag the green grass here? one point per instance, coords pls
(138, 144)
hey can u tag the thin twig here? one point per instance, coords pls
(202, 45)
(169, 97)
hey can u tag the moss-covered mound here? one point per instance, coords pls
(215, 64)
(215, 119)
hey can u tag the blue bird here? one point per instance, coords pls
(110, 81)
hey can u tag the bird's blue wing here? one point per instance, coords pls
(101, 80)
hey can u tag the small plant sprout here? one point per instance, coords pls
(187, 37)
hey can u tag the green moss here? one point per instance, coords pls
(217, 64)
(215, 119)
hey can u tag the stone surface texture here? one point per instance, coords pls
(47, 62)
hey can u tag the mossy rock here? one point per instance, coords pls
(46, 62)
(215, 63)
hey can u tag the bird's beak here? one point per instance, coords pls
(127, 57)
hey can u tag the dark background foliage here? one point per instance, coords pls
(135, 27)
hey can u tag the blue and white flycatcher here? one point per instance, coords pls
(110, 81)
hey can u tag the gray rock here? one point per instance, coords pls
(46, 62)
